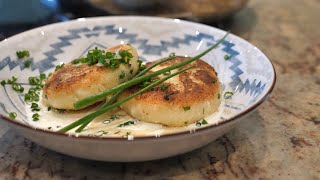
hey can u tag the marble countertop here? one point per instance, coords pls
(281, 140)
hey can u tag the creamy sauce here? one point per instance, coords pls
(109, 124)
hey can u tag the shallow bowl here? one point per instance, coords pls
(248, 73)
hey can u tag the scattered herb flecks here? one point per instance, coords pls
(226, 57)
(186, 108)
(126, 124)
(202, 122)
(228, 95)
(164, 87)
(22, 54)
(27, 63)
(59, 67)
(12, 115)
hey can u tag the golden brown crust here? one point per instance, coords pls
(73, 76)
(195, 85)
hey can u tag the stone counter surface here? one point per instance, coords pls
(281, 140)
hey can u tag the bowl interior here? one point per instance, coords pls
(248, 73)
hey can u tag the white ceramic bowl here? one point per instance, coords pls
(248, 73)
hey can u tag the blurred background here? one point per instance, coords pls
(20, 15)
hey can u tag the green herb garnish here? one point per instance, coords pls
(186, 108)
(12, 80)
(17, 87)
(122, 75)
(12, 115)
(22, 54)
(34, 80)
(35, 117)
(126, 124)
(227, 57)
(59, 67)
(203, 122)
(219, 95)
(27, 64)
(164, 87)
(35, 107)
(3, 82)
(228, 95)
(42, 76)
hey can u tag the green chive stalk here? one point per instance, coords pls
(91, 99)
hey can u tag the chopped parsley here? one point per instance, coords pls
(226, 57)
(186, 108)
(22, 54)
(12, 115)
(228, 95)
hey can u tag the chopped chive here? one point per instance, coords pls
(42, 76)
(186, 108)
(22, 54)
(204, 122)
(12, 80)
(59, 67)
(12, 115)
(126, 124)
(200, 123)
(3, 82)
(227, 57)
(122, 75)
(27, 63)
(228, 95)
(35, 117)
(164, 87)
(17, 87)
(34, 80)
